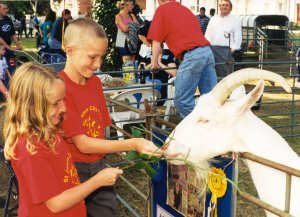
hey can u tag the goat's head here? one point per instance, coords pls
(211, 128)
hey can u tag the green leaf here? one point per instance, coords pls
(136, 133)
(131, 155)
(139, 165)
(149, 170)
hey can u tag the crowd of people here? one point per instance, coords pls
(201, 50)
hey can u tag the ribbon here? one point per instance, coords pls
(217, 185)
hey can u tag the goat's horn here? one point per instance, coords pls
(225, 87)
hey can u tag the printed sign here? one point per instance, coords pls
(186, 194)
(160, 212)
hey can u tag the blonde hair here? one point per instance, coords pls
(77, 31)
(121, 4)
(27, 109)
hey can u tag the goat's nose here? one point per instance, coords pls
(171, 155)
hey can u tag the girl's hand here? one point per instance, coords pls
(108, 176)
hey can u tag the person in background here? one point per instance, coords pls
(122, 19)
(48, 183)
(31, 26)
(87, 115)
(38, 36)
(7, 36)
(4, 73)
(59, 26)
(203, 19)
(47, 26)
(166, 60)
(212, 12)
(224, 32)
(23, 27)
(179, 28)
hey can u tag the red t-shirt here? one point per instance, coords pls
(178, 27)
(42, 176)
(86, 113)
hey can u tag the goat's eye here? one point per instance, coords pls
(202, 120)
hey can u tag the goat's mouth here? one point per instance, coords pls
(174, 158)
(176, 161)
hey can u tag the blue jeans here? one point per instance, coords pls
(196, 70)
(157, 83)
(54, 44)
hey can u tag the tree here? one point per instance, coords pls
(104, 12)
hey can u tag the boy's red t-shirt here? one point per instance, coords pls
(86, 113)
(42, 176)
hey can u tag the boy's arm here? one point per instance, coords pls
(89, 145)
(75, 195)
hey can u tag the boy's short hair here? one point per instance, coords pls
(78, 29)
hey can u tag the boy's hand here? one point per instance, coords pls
(144, 146)
(108, 176)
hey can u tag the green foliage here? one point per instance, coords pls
(20, 8)
(104, 12)
(142, 162)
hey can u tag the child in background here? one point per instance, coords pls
(4, 73)
(47, 179)
(87, 115)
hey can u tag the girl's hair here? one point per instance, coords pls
(27, 109)
(80, 28)
(122, 3)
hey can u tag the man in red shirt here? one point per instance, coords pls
(86, 112)
(180, 29)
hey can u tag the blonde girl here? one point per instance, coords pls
(48, 182)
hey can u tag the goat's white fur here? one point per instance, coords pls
(216, 127)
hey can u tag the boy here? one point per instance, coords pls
(4, 73)
(86, 112)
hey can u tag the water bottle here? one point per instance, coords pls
(142, 74)
(136, 66)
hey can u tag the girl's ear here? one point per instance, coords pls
(69, 50)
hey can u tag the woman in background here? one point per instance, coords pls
(122, 19)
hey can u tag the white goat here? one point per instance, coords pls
(217, 126)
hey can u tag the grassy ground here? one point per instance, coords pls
(244, 208)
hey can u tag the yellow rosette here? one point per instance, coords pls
(217, 184)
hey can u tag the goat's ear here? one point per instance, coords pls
(252, 97)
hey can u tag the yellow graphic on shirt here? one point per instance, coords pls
(71, 172)
(91, 121)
